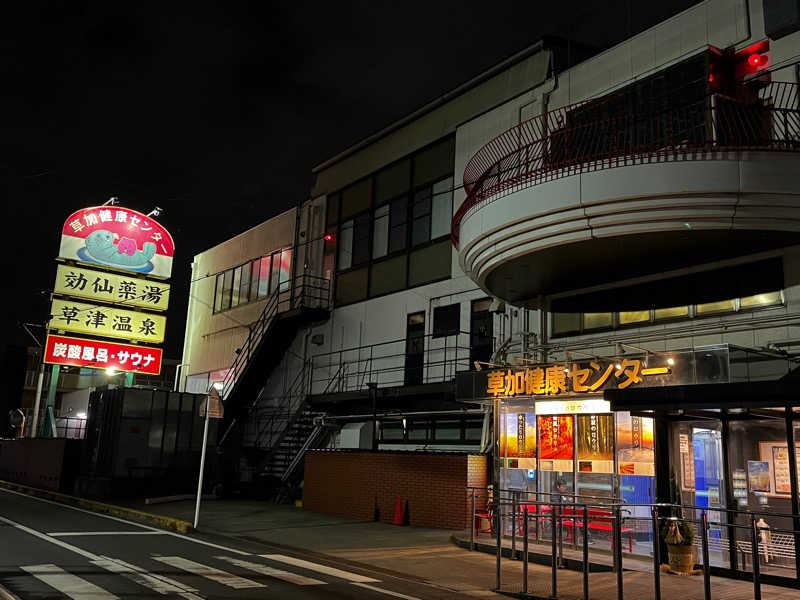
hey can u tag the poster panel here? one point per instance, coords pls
(92, 319)
(635, 445)
(100, 354)
(111, 287)
(595, 443)
(556, 441)
(518, 438)
(119, 238)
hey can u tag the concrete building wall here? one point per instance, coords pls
(211, 339)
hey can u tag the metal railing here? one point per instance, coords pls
(303, 291)
(606, 132)
(562, 537)
(390, 364)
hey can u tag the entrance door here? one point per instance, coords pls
(699, 474)
(415, 349)
(480, 332)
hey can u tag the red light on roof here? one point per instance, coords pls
(710, 77)
(328, 237)
(754, 60)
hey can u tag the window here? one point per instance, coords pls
(671, 313)
(218, 293)
(398, 219)
(574, 323)
(254, 271)
(361, 251)
(399, 209)
(346, 245)
(237, 280)
(263, 276)
(446, 320)
(244, 288)
(380, 238)
(442, 212)
(421, 214)
(227, 286)
(252, 280)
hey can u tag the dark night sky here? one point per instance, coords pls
(217, 114)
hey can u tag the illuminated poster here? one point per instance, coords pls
(596, 443)
(556, 437)
(519, 436)
(111, 287)
(635, 449)
(119, 238)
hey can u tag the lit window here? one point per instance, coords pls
(761, 300)
(566, 322)
(715, 307)
(675, 312)
(635, 316)
(596, 320)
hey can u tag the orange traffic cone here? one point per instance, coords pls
(398, 512)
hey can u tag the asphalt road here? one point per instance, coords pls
(48, 550)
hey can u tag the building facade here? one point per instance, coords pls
(629, 216)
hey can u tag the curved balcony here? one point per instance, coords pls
(613, 192)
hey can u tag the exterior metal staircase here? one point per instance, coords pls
(300, 300)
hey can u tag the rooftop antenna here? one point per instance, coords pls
(155, 212)
(113, 201)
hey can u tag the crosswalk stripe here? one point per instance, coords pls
(271, 572)
(158, 583)
(67, 583)
(211, 573)
(297, 562)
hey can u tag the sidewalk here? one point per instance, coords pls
(429, 555)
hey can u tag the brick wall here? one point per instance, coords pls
(354, 483)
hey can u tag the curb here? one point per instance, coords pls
(169, 523)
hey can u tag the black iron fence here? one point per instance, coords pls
(570, 546)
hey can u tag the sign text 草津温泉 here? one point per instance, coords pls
(106, 321)
(99, 354)
(575, 378)
(114, 288)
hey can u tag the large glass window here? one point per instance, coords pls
(252, 280)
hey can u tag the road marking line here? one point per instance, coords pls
(82, 533)
(68, 584)
(388, 592)
(270, 572)
(211, 573)
(158, 583)
(297, 562)
(133, 523)
(47, 538)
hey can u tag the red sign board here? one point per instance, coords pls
(118, 237)
(98, 354)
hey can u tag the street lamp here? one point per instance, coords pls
(214, 388)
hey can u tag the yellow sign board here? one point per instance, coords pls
(553, 380)
(106, 321)
(111, 287)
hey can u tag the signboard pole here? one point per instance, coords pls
(51, 399)
(37, 400)
(202, 465)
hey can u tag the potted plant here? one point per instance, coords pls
(678, 534)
